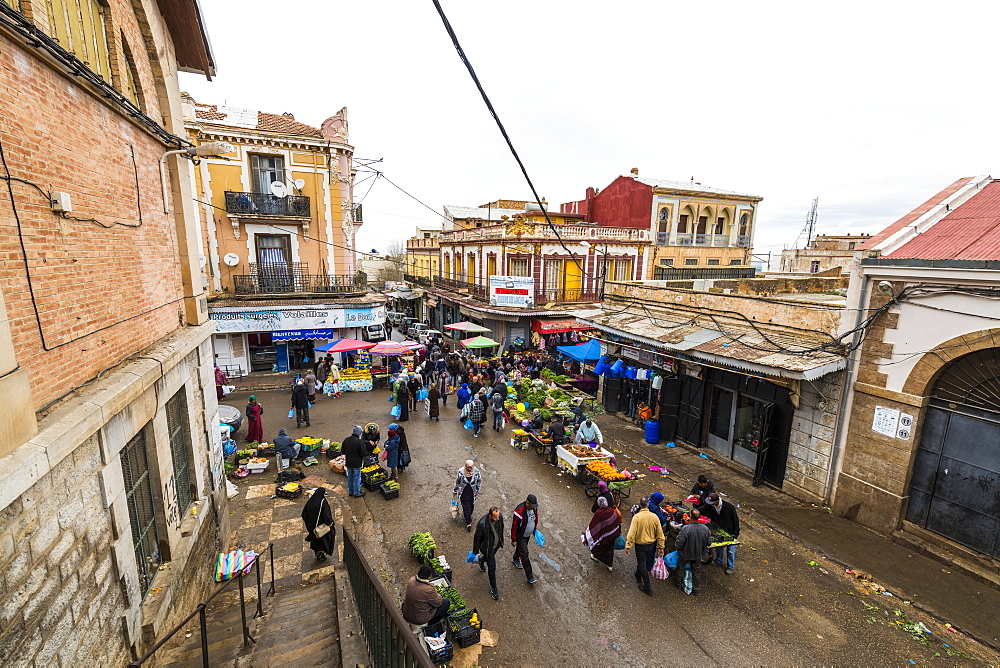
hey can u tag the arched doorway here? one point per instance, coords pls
(955, 487)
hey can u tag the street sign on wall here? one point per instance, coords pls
(517, 291)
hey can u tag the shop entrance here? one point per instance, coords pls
(956, 473)
(263, 352)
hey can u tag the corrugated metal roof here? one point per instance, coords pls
(916, 213)
(687, 186)
(970, 232)
(780, 354)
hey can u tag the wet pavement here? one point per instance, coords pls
(785, 603)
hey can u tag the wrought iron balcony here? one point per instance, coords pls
(269, 278)
(261, 204)
(419, 280)
(473, 289)
(743, 241)
(564, 295)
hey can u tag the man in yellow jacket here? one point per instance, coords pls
(643, 533)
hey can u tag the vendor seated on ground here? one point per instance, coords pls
(422, 604)
(537, 422)
(285, 446)
(701, 489)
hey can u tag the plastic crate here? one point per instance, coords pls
(371, 486)
(286, 494)
(467, 634)
(388, 493)
(440, 654)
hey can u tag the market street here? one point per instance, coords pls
(783, 605)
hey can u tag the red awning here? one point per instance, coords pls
(557, 326)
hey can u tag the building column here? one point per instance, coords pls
(17, 420)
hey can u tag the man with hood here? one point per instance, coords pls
(300, 402)
(285, 446)
(354, 450)
(522, 528)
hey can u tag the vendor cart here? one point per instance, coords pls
(577, 465)
(620, 489)
(539, 441)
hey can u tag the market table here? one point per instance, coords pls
(576, 464)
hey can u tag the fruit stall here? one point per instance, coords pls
(575, 458)
(353, 379)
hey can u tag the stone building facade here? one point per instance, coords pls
(826, 252)
(110, 506)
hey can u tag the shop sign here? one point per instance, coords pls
(516, 291)
(232, 320)
(358, 317)
(649, 358)
(302, 334)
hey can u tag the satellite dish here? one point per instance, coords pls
(231, 259)
(278, 189)
(299, 183)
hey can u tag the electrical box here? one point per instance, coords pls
(61, 202)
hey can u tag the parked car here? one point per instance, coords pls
(231, 416)
(395, 317)
(426, 335)
(413, 330)
(374, 333)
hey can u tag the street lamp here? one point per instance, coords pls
(208, 148)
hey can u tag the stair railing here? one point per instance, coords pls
(201, 608)
(388, 636)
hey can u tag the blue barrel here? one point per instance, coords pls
(616, 369)
(602, 366)
(653, 431)
(630, 372)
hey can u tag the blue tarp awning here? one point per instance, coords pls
(584, 352)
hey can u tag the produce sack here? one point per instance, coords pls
(539, 538)
(670, 560)
(660, 571)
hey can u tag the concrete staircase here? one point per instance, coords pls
(299, 627)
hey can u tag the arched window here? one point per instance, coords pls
(744, 224)
(79, 27)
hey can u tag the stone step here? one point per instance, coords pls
(225, 638)
(299, 629)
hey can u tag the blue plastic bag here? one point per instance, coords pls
(468, 424)
(291, 413)
(539, 538)
(620, 543)
(473, 558)
(394, 412)
(670, 560)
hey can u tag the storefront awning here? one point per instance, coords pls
(558, 326)
(302, 334)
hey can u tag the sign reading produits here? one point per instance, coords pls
(516, 291)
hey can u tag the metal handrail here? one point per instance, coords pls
(388, 636)
(202, 617)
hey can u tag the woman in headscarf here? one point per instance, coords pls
(392, 451)
(603, 493)
(220, 380)
(317, 513)
(371, 437)
(605, 527)
(444, 386)
(433, 410)
(404, 449)
(255, 427)
(464, 395)
(403, 401)
(468, 482)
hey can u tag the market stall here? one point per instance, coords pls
(574, 459)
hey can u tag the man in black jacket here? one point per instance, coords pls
(724, 514)
(354, 450)
(300, 402)
(556, 433)
(489, 539)
(702, 489)
(691, 543)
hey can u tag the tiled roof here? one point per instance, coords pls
(737, 347)
(970, 232)
(915, 214)
(254, 120)
(462, 212)
(687, 186)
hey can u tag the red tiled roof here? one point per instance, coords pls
(916, 213)
(286, 125)
(970, 232)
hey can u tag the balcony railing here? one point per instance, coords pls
(743, 241)
(543, 232)
(662, 238)
(473, 289)
(685, 239)
(566, 295)
(422, 243)
(261, 204)
(269, 278)
(419, 280)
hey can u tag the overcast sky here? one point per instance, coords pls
(871, 106)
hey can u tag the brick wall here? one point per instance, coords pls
(101, 294)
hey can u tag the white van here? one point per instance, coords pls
(395, 317)
(374, 333)
(414, 330)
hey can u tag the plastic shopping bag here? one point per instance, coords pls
(291, 413)
(473, 558)
(620, 543)
(539, 538)
(468, 424)
(688, 586)
(670, 560)
(454, 509)
(660, 571)
(394, 412)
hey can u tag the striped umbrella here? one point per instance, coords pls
(389, 348)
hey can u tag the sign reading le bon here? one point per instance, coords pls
(296, 318)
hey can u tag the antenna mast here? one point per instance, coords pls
(810, 229)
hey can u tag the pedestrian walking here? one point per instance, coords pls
(300, 402)
(334, 376)
(220, 380)
(468, 484)
(403, 401)
(645, 533)
(496, 405)
(392, 451)
(691, 545)
(444, 386)
(354, 450)
(404, 448)
(318, 518)
(487, 541)
(603, 493)
(605, 528)
(477, 413)
(412, 386)
(522, 528)
(311, 382)
(255, 426)
(433, 410)
(724, 514)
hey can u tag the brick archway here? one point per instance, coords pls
(925, 373)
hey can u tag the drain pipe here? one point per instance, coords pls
(840, 433)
